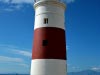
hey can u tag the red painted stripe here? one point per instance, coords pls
(55, 46)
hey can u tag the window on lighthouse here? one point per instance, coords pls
(45, 20)
(45, 42)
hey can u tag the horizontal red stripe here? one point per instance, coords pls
(55, 46)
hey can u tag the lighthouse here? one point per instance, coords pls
(49, 45)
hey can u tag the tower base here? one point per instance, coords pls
(48, 67)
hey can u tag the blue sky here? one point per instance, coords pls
(82, 35)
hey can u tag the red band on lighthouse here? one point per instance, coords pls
(49, 43)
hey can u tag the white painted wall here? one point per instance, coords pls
(48, 67)
(49, 8)
(54, 14)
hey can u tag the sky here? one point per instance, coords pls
(82, 25)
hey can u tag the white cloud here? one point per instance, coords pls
(24, 65)
(5, 45)
(10, 59)
(21, 52)
(95, 68)
(11, 49)
(22, 1)
(75, 68)
(11, 5)
(28, 1)
(18, 63)
(5, 1)
(17, 1)
(19, 4)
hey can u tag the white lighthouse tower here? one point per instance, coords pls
(49, 46)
